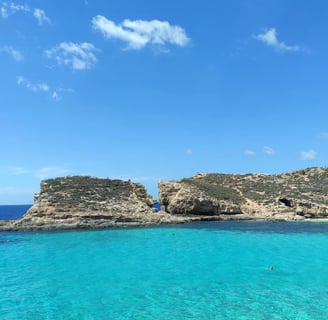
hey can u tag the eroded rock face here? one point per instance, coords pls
(185, 198)
(293, 195)
(86, 202)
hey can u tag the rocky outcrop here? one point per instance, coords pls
(86, 202)
(292, 196)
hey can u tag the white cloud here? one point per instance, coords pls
(270, 39)
(58, 93)
(268, 151)
(249, 152)
(55, 96)
(78, 56)
(4, 12)
(41, 16)
(9, 8)
(138, 33)
(36, 86)
(308, 155)
(189, 152)
(15, 54)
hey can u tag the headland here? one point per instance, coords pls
(82, 202)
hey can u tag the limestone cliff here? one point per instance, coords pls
(86, 202)
(295, 195)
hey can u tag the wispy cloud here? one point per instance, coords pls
(189, 152)
(270, 38)
(58, 93)
(41, 16)
(139, 33)
(9, 8)
(78, 56)
(33, 86)
(249, 153)
(14, 53)
(55, 95)
(268, 151)
(308, 155)
(42, 173)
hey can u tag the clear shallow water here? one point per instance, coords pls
(200, 271)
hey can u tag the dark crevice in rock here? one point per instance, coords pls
(286, 202)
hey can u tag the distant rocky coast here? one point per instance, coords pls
(81, 202)
(295, 195)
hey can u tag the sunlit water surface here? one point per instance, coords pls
(206, 271)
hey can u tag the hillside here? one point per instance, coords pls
(295, 194)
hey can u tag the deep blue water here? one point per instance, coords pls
(11, 212)
(217, 270)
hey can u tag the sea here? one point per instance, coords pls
(210, 270)
(12, 212)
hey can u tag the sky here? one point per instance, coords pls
(151, 90)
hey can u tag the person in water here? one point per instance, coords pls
(271, 268)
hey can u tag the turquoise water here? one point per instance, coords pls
(199, 271)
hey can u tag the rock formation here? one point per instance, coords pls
(293, 196)
(86, 202)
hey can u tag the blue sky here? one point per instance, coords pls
(150, 90)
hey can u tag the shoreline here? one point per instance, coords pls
(84, 202)
(9, 225)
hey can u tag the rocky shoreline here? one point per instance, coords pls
(295, 195)
(81, 202)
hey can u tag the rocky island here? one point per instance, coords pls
(80, 202)
(85, 202)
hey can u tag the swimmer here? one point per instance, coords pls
(271, 268)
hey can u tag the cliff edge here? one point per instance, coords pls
(85, 202)
(81, 202)
(289, 196)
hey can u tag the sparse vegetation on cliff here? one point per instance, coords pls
(80, 189)
(303, 192)
(216, 186)
(87, 202)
